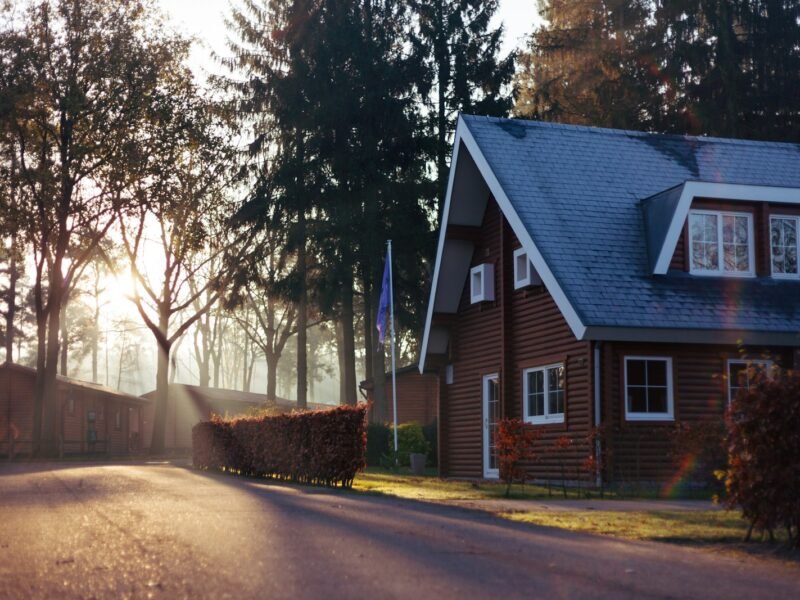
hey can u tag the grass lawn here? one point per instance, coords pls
(704, 526)
(711, 529)
(430, 487)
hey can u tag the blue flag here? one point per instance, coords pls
(383, 305)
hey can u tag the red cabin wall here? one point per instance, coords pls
(520, 329)
(417, 397)
(642, 450)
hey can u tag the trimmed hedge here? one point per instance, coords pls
(323, 447)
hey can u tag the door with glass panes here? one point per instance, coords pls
(491, 415)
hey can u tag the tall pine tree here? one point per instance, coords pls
(466, 71)
(583, 66)
(713, 67)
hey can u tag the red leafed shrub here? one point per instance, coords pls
(763, 475)
(514, 445)
(323, 447)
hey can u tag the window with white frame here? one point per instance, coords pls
(481, 283)
(721, 243)
(741, 374)
(648, 388)
(543, 391)
(448, 374)
(522, 269)
(784, 245)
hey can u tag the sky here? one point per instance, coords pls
(204, 19)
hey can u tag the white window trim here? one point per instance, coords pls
(547, 417)
(766, 363)
(640, 416)
(486, 291)
(524, 280)
(796, 219)
(721, 272)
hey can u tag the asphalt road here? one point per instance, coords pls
(158, 530)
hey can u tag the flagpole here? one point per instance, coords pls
(394, 364)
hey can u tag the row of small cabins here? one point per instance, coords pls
(584, 278)
(95, 419)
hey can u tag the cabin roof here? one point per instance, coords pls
(578, 199)
(76, 383)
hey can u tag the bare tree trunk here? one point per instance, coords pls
(380, 410)
(11, 301)
(38, 388)
(96, 341)
(340, 359)
(50, 407)
(368, 326)
(302, 316)
(272, 378)
(158, 445)
(64, 339)
(348, 348)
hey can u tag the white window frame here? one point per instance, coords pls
(765, 363)
(448, 375)
(796, 220)
(720, 271)
(547, 417)
(523, 279)
(484, 290)
(649, 416)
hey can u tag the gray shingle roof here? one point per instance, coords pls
(579, 191)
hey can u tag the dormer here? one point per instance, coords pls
(723, 230)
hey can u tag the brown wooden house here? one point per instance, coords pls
(93, 419)
(591, 277)
(417, 395)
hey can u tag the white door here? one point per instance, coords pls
(491, 414)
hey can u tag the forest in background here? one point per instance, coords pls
(157, 228)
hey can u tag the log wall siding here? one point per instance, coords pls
(417, 398)
(760, 211)
(16, 406)
(642, 450)
(520, 329)
(475, 351)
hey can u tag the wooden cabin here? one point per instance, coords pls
(93, 419)
(591, 277)
(190, 404)
(417, 395)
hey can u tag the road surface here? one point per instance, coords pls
(163, 531)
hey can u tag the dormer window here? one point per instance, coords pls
(481, 283)
(783, 246)
(522, 269)
(721, 243)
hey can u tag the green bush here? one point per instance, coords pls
(431, 431)
(379, 436)
(410, 438)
